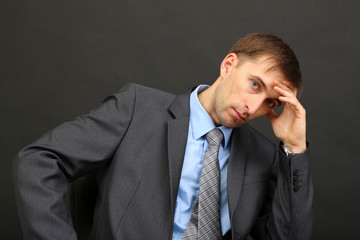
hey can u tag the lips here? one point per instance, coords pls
(239, 116)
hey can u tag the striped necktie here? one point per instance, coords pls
(205, 222)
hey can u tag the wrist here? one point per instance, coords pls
(294, 149)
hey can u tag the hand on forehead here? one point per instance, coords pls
(287, 84)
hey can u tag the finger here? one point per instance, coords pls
(294, 102)
(286, 86)
(272, 115)
(284, 91)
(290, 100)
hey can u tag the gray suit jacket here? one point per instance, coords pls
(137, 137)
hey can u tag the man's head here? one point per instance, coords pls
(254, 45)
(248, 75)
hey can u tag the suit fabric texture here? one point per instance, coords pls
(136, 139)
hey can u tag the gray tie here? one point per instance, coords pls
(205, 222)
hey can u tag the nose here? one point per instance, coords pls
(254, 105)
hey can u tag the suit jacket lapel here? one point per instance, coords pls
(177, 138)
(236, 168)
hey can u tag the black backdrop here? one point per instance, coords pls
(59, 59)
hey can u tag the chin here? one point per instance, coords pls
(232, 124)
(237, 125)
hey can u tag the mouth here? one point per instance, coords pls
(239, 117)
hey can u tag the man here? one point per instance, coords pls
(151, 146)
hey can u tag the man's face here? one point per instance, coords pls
(246, 91)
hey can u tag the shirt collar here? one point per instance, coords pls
(200, 121)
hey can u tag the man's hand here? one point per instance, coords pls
(290, 125)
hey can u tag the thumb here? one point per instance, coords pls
(272, 115)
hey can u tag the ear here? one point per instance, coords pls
(229, 62)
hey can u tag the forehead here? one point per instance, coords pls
(269, 70)
(261, 65)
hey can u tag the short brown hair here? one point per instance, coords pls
(258, 44)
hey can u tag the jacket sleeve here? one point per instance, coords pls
(290, 214)
(43, 169)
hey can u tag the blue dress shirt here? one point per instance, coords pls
(200, 123)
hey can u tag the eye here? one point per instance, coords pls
(270, 102)
(255, 85)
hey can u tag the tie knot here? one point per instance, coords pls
(214, 137)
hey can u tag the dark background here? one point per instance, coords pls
(59, 59)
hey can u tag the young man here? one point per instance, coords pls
(155, 149)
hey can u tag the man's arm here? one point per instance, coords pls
(287, 213)
(291, 214)
(43, 169)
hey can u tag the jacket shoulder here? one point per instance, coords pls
(144, 92)
(147, 98)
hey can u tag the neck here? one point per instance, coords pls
(207, 100)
